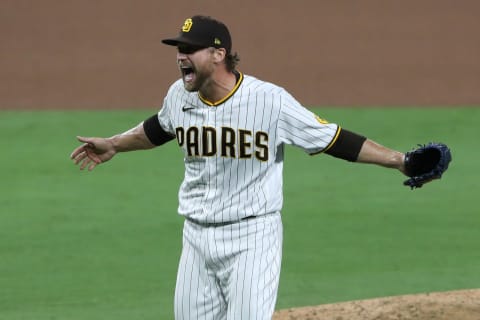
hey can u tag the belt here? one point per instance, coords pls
(218, 224)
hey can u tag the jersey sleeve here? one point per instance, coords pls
(159, 128)
(300, 127)
(165, 120)
(166, 113)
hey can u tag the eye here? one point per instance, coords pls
(188, 49)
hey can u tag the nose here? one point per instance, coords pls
(180, 59)
(181, 56)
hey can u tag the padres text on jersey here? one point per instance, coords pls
(233, 151)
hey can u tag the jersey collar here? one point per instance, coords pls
(239, 77)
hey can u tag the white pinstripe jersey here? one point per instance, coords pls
(234, 149)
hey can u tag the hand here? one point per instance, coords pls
(426, 163)
(92, 152)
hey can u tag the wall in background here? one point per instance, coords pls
(106, 54)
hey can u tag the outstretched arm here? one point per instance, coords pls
(95, 151)
(356, 148)
(372, 152)
(422, 165)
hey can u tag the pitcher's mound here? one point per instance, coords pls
(452, 305)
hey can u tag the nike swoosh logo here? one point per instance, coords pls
(185, 108)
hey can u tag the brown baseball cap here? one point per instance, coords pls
(203, 31)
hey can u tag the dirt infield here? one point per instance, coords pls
(453, 305)
(107, 54)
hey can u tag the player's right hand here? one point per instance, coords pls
(92, 152)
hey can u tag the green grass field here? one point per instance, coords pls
(104, 245)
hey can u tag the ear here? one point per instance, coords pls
(219, 55)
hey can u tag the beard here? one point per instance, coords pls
(195, 79)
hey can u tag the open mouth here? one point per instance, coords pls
(188, 73)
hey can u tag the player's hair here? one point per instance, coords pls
(231, 61)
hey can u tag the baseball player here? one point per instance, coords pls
(232, 129)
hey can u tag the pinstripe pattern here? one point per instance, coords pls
(233, 154)
(236, 265)
(218, 188)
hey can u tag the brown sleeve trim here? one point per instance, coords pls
(155, 132)
(347, 146)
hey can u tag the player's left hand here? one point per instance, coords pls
(426, 163)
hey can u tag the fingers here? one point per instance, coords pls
(81, 157)
(90, 154)
(77, 152)
(85, 161)
(92, 166)
(88, 163)
(84, 156)
(87, 142)
(78, 156)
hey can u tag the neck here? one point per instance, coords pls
(219, 86)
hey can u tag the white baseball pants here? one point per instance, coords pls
(229, 271)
